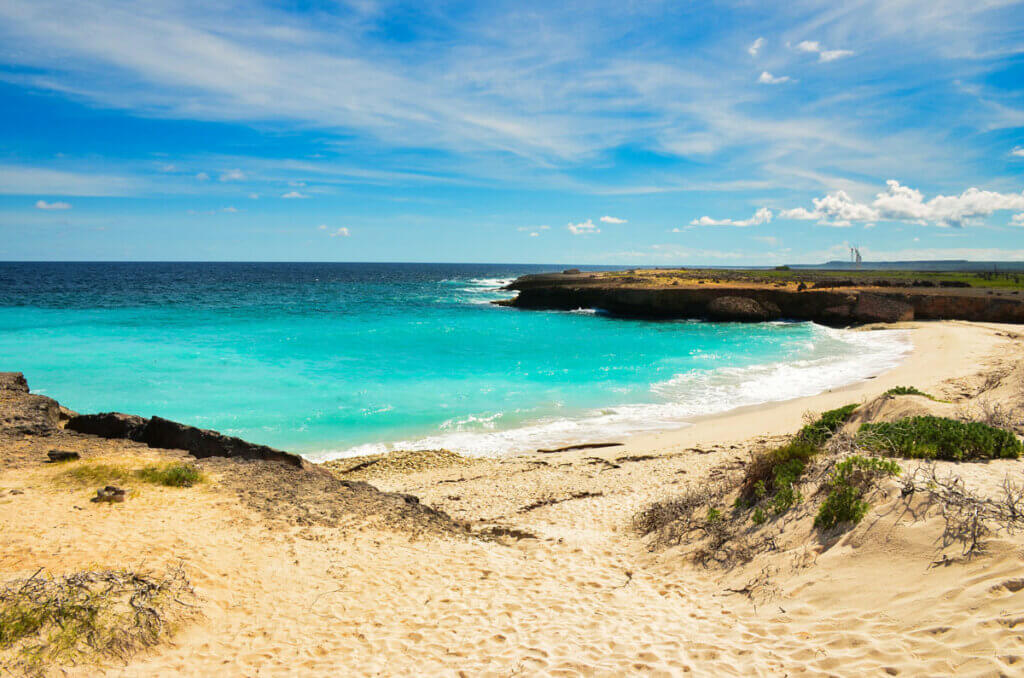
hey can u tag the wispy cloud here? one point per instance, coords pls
(761, 216)
(294, 195)
(767, 78)
(43, 205)
(1019, 152)
(755, 47)
(583, 228)
(612, 220)
(824, 55)
(233, 175)
(342, 232)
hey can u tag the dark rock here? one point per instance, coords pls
(801, 287)
(881, 309)
(13, 381)
(24, 413)
(110, 494)
(108, 425)
(834, 314)
(57, 456)
(571, 271)
(742, 309)
(202, 443)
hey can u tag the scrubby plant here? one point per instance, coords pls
(911, 390)
(758, 517)
(849, 481)
(775, 473)
(818, 432)
(171, 475)
(939, 438)
(97, 473)
(87, 616)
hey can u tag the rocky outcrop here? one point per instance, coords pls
(171, 435)
(202, 443)
(109, 425)
(830, 306)
(24, 413)
(878, 309)
(741, 309)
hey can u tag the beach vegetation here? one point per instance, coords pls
(774, 474)
(912, 391)
(930, 437)
(89, 616)
(848, 483)
(170, 474)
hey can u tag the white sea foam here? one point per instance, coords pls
(839, 358)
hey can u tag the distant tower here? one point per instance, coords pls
(856, 254)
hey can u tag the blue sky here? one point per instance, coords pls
(607, 133)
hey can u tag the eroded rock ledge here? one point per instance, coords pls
(752, 302)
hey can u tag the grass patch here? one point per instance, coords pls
(848, 483)
(171, 474)
(88, 616)
(939, 438)
(911, 390)
(97, 474)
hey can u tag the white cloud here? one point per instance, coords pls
(230, 209)
(534, 234)
(543, 227)
(233, 175)
(43, 205)
(824, 55)
(341, 232)
(168, 168)
(761, 216)
(254, 196)
(755, 47)
(1019, 152)
(613, 220)
(203, 176)
(292, 195)
(902, 203)
(767, 78)
(1018, 219)
(322, 227)
(583, 228)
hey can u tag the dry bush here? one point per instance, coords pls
(88, 616)
(969, 517)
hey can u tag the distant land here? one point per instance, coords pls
(937, 265)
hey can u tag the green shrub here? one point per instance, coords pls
(171, 475)
(827, 424)
(713, 516)
(758, 516)
(940, 438)
(911, 390)
(848, 483)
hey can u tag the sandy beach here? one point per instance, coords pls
(532, 566)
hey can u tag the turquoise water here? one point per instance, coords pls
(335, 359)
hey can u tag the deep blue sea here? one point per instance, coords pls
(339, 359)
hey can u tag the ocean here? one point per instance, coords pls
(332, 360)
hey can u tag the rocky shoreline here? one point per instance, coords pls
(661, 296)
